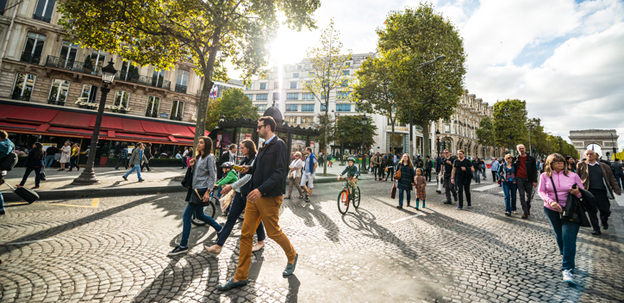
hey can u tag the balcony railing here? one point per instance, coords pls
(72, 65)
(30, 58)
(56, 102)
(41, 18)
(145, 80)
(152, 114)
(178, 118)
(180, 88)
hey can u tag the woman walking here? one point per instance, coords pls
(507, 175)
(239, 202)
(407, 179)
(294, 175)
(34, 161)
(75, 154)
(204, 178)
(556, 183)
(65, 155)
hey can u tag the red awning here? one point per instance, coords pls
(132, 126)
(9, 126)
(180, 131)
(151, 127)
(192, 128)
(22, 113)
(71, 132)
(70, 119)
(110, 123)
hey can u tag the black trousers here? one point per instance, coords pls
(494, 176)
(463, 186)
(604, 206)
(390, 173)
(377, 172)
(146, 165)
(27, 173)
(123, 162)
(428, 174)
(525, 190)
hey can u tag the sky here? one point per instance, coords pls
(565, 58)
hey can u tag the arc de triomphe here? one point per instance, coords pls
(605, 138)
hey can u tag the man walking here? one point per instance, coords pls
(263, 202)
(598, 178)
(428, 167)
(185, 155)
(526, 178)
(375, 162)
(124, 158)
(463, 169)
(136, 159)
(308, 173)
(618, 172)
(449, 187)
(495, 166)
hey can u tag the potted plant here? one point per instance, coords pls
(103, 159)
(88, 65)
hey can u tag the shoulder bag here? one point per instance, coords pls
(393, 191)
(397, 176)
(197, 198)
(188, 178)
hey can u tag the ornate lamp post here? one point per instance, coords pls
(88, 174)
(363, 169)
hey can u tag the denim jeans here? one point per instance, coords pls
(122, 161)
(477, 176)
(619, 179)
(188, 216)
(138, 170)
(1, 201)
(49, 161)
(565, 232)
(236, 208)
(409, 195)
(27, 173)
(510, 195)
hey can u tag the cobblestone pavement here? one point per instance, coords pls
(115, 250)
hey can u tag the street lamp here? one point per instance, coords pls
(342, 133)
(88, 174)
(364, 124)
(411, 135)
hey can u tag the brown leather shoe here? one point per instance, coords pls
(525, 216)
(215, 249)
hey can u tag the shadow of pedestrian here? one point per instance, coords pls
(293, 289)
(311, 210)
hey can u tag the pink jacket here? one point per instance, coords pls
(563, 184)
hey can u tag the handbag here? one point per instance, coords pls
(393, 191)
(226, 200)
(197, 198)
(188, 178)
(570, 211)
(397, 176)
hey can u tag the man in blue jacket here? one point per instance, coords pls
(6, 147)
(263, 202)
(308, 173)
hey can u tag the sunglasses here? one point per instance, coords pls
(259, 127)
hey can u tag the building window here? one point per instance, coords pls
(343, 107)
(291, 119)
(33, 48)
(67, 57)
(23, 87)
(262, 97)
(250, 96)
(295, 75)
(44, 10)
(292, 96)
(293, 84)
(263, 85)
(307, 107)
(248, 87)
(275, 96)
(261, 107)
(182, 81)
(348, 63)
(177, 108)
(89, 93)
(159, 76)
(346, 72)
(121, 99)
(58, 92)
(127, 71)
(342, 95)
(344, 83)
(307, 120)
(292, 107)
(2, 6)
(275, 85)
(307, 96)
(153, 103)
(323, 106)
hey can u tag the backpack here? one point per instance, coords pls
(8, 162)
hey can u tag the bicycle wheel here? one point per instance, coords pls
(343, 201)
(356, 197)
(209, 210)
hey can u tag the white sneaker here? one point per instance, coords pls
(567, 276)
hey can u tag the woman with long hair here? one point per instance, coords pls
(407, 179)
(241, 187)
(507, 175)
(555, 184)
(34, 161)
(75, 157)
(204, 179)
(65, 155)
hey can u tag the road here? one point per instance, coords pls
(115, 250)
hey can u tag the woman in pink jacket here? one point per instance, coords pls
(556, 173)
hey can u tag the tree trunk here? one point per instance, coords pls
(426, 144)
(325, 134)
(202, 106)
(392, 138)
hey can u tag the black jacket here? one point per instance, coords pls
(531, 168)
(270, 169)
(33, 160)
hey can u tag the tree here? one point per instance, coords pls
(327, 65)
(233, 104)
(421, 35)
(378, 87)
(485, 132)
(204, 32)
(327, 128)
(509, 123)
(353, 127)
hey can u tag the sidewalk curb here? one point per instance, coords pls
(96, 193)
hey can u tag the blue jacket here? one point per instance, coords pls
(312, 158)
(495, 165)
(6, 147)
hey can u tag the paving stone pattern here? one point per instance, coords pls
(117, 252)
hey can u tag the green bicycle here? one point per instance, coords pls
(345, 198)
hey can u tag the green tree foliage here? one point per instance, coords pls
(379, 86)
(485, 132)
(510, 118)
(327, 66)
(422, 35)
(233, 104)
(353, 128)
(204, 32)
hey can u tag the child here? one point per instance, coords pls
(421, 184)
(229, 176)
(352, 172)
